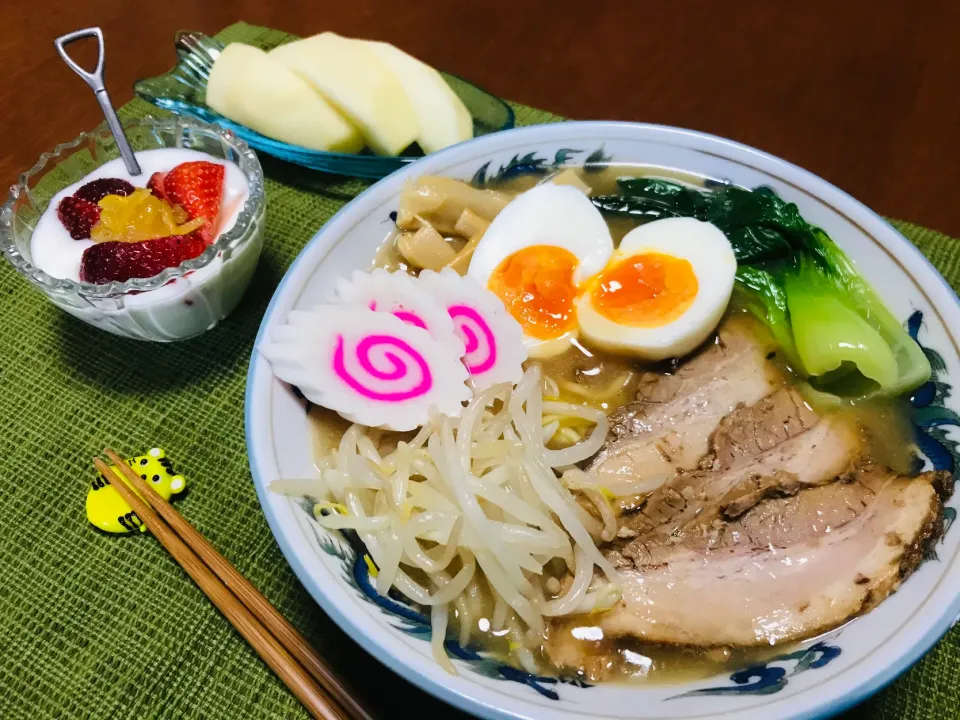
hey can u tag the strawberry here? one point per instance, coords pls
(78, 216)
(96, 190)
(155, 185)
(109, 261)
(197, 187)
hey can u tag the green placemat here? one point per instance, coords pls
(95, 626)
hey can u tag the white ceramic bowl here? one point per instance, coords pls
(816, 681)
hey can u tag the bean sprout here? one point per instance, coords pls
(475, 505)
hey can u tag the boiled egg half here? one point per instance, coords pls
(536, 256)
(663, 291)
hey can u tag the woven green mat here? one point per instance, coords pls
(95, 626)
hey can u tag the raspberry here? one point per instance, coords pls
(95, 190)
(119, 261)
(78, 216)
(155, 185)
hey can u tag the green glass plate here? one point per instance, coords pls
(182, 90)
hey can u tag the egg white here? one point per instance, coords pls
(714, 265)
(556, 215)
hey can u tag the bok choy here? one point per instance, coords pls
(832, 326)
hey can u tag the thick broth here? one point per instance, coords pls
(586, 375)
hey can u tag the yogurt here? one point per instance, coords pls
(181, 308)
(59, 255)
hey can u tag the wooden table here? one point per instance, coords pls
(865, 94)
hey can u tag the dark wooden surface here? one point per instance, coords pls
(865, 94)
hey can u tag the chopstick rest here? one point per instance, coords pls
(108, 511)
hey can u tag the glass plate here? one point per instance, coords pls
(182, 90)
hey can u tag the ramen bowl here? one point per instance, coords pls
(814, 679)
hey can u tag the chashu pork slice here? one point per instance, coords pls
(668, 427)
(786, 568)
(775, 447)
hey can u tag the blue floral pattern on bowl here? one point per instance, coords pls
(532, 164)
(768, 677)
(182, 90)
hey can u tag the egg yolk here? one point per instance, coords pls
(646, 290)
(536, 286)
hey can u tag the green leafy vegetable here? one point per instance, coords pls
(829, 322)
(766, 299)
(828, 332)
(679, 200)
(641, 209)
(913, 367)
(759, 224)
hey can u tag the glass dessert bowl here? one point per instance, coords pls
(180, 301)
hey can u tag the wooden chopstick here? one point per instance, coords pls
(317, 702)
(271, 618)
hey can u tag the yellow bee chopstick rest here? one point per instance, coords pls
(109, 512)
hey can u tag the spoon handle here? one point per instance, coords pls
(95, 81)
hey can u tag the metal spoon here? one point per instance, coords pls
(95, 81)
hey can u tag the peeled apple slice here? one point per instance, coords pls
(443, 118)
(359, 84)
(251, 88)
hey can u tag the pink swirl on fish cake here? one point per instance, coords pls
(480, 343)
(493, 341)
(408, 317)
(373, 348)
(371, 367)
